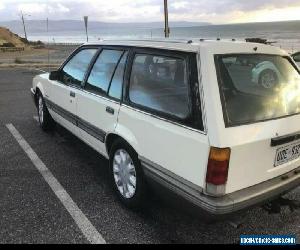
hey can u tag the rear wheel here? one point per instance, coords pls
(127, 175)
(45, 120)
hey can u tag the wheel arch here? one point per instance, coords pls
(37, 91)
(39, 87)
(112, 137)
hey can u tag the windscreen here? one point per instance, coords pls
(257, 88)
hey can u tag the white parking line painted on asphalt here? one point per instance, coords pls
(86, 227)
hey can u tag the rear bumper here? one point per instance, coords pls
(259, 194)
(228, 204)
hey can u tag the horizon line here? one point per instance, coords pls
(206, 23)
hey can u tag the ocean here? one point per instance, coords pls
(285, 34)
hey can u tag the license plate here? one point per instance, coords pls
(287, 154)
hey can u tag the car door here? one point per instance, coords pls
(98, 103)
(62, 98)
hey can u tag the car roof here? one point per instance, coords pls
(195, 45)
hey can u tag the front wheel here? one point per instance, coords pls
(127, 175)
(45, 120)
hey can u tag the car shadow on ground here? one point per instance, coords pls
(175, 222)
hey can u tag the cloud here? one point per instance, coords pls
(225, 6)
(61, 8)
(2, 6)
(32, 8)
(42, 8)
(214, 11)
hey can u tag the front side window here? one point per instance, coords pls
(257, 87)
(103, 71)
(74, 71)
(159, 83)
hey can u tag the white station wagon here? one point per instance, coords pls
(185, 116)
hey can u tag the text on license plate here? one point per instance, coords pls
(288, 153)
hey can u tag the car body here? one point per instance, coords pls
(179, 115)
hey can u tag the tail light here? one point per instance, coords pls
(217, 170)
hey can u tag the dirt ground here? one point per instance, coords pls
(57, 54)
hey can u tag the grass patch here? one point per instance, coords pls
(18, 61)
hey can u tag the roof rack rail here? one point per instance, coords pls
(256, 40)
(160, 40)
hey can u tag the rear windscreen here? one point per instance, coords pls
(257, 88)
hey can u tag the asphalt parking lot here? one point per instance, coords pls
(31, 212)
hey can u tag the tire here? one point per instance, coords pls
(134, 194)
(268, 75)
(45, 120)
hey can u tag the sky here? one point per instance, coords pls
(213, 11)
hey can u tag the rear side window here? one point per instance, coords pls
(103, 71)
(160, 83)
(74, 71)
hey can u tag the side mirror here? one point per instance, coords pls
(296, 57)
(54, 75)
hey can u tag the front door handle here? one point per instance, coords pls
(72, 94)
(110, 110)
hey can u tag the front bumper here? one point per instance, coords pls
(230, 203)
(32, 90)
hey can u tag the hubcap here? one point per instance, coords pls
(124, 174)
(41, 110)
(268, 80)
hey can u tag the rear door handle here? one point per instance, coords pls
(72, 94)
(110, 110)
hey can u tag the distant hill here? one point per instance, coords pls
(39, 26)
(7, 37)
